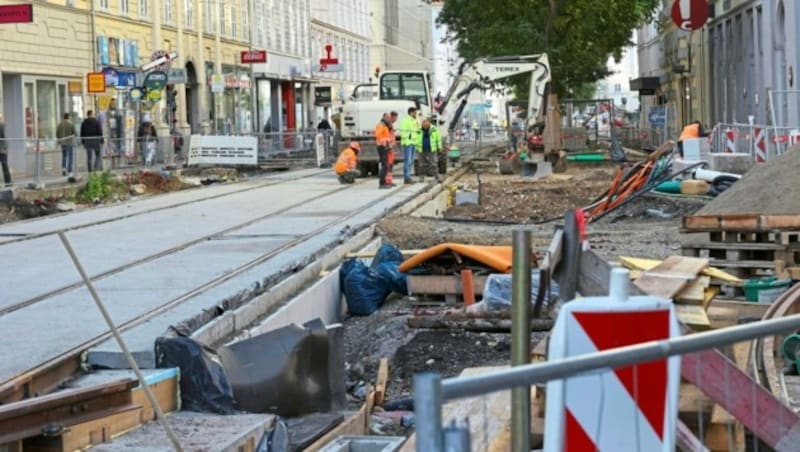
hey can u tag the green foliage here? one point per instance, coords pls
(578, 35)
(98, 187)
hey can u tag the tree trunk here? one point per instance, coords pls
(552, 125)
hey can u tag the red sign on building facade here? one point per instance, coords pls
(690, 15)
(254, 56)
(16, 14)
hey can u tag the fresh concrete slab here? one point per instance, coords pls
(731, 163)
(196, 432)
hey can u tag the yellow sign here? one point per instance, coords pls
(96, 82)
(75, 87)
(104, 102)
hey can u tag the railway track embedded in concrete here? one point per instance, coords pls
(267, 182)
(57, 369)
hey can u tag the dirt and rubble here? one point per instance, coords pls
(645, 227)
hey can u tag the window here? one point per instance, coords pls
(167, 11)
(125, 7)
(233, 21)
(221, 18)
(188, 6)
(209, 16)
(102, 4)
(144, 10)
(404, 86)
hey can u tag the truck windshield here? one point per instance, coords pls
(404, 86)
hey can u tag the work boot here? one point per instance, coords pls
(408, 181)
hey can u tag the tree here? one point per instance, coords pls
(579, 36)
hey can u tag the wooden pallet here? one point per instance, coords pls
(741, 222)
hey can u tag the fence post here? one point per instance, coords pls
(521, 337)
(37, 170)
(428, 412)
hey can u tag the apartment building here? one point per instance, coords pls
(345, 26)
(401, 35)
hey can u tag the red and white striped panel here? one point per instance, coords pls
(730, 141)
(629, 409)
(760, 145)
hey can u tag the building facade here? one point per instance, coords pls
(284, 94)
(43, 65)
(616, 86)
(724, 72)
(345, 26)
(401, 35)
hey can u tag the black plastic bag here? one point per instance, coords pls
(387, 253)
(204, 385)
(396, 280)
(364, 288)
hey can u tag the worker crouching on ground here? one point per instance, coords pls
(429, 143)
(409, 129)
(692, 130)
(346, 164)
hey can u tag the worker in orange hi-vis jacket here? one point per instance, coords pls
(345, 166)
(384, 139)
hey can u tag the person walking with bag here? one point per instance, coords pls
(66, 133)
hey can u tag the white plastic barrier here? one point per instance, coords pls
(628, 409)
(223, 150)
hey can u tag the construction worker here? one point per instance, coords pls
(384, 139)
(429, 143)
(409, 128)
(345, 166)
(692, 130)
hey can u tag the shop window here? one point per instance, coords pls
(62, 101)
(264, 105)
(28, 99)
(46, 108)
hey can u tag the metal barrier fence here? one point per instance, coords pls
(430, 391)
(641, 138)
(760, 141)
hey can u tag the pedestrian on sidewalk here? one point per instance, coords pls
(92, 138)
(65, 133)
(384, 138)
(428, 144)
(409, 128)
(345, 166)
(147, 140)
(4, 152)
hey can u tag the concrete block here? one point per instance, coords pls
(731, 163)
(365, 444)
(679, 164)
(467, 197)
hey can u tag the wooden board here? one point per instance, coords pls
(442, 285)
(670, 277)
(694, 292)
(167, 393)
(720, 317)
(745, 309)
(356, 424)
(741, 222)
(693, 316)
(635, 263)
(381, 381)
(89, 433)
(693, 404)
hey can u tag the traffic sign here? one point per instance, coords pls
(657, 116)
(162, 54)
(690, 15)
(217, 84)
(95, 82)
(155, 81)
(330, 68)
(135, 94)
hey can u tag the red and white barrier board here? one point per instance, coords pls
(628, 409)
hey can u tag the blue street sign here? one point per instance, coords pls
(657, 116)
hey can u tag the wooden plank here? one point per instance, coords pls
(743, 264)
(355, 424)
(89, 433)
(381, 381)
(635, 263)
(693, 404)
(719, 317)
(693, 316)
(746, 309)
(743, 246)
(442, 285)
(694, 292)
(718, 377)
(724, 437)
(167, 394)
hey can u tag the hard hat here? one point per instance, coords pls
(355, 146)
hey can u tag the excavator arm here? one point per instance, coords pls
(482, 73)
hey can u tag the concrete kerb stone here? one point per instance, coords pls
(233, 322)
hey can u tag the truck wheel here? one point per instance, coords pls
(363, 169)
(442, 162)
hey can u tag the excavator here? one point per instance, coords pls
(399, 90)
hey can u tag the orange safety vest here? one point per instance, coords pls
(690, 131)
(383, 134)
(346, 161)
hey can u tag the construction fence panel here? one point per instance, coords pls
(762, 142)
(641, 138)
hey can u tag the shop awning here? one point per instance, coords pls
(646, 86)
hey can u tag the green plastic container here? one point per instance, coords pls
(765, 290)
(593, 157)
(671, 186)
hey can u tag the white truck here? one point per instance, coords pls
(399, 90)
